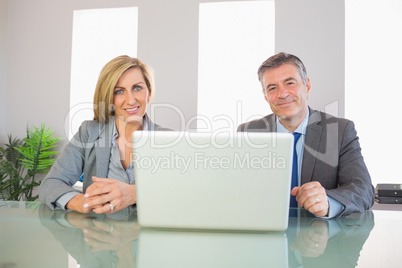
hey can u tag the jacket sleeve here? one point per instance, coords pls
(66, 171)
(355, 190)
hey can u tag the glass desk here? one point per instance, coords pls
(32, 235)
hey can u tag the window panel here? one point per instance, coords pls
(234, 39)
(99, 35)
(372, 97)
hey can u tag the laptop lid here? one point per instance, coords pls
(218, 181)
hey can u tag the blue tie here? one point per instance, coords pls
(293, 202)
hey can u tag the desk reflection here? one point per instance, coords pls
(116, 240)
(95, 240)
(169, 248)
(315, 242)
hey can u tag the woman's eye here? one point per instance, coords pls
(137, 88)
(119, 91)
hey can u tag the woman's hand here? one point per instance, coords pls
(78, 202)
(110, 234)
(104, 192)
(107, 234)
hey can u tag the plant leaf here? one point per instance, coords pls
(22, 160)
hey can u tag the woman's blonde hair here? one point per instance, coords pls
(110, 74)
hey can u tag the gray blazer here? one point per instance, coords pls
(89, 152)
(332, 156)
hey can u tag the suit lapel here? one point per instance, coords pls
(311, 146)
(268, 123)
(272, 124)
(103, 149)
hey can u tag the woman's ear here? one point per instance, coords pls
(149, 96)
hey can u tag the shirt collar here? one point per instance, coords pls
(145, 126)
(145, 123)
(300, 129)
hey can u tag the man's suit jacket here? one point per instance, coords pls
(89, 152)
(332, 156)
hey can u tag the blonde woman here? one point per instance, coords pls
(101, 148)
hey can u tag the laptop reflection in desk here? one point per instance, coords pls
(227, 181)
(169, 248)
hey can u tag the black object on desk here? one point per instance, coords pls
(389, 193)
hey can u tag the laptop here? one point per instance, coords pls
(214, 181)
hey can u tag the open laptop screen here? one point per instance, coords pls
(237, 181)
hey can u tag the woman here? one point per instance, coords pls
(101, 149)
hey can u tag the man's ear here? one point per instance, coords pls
(266, 98)
(308, 86)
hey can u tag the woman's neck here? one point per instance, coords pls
(125, 129)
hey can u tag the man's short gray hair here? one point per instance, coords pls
(280, 59)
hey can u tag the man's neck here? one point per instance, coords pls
(291, 124)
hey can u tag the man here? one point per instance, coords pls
(332, 178)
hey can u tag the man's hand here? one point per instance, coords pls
(312, 241)
(312, 197)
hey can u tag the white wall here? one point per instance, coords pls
(3, 67)
(314, 30)
(39, 55)
(168, 41)
(39, 61)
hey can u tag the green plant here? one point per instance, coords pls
(22, 160)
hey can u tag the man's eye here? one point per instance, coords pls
(271, 88)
